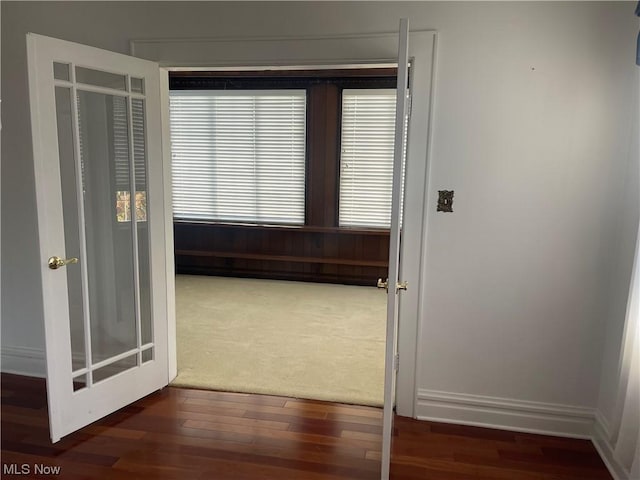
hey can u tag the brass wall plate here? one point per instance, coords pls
(445, 201)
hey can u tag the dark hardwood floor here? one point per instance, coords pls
(193, 434)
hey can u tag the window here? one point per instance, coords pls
(239, 155)
(366, 157)
(309, 148)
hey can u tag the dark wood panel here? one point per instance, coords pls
(258, 80)
(317, 254)
(282, 258)
(323, 160)
(195, 434)
(390, 72)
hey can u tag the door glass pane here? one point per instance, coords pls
(115, 368)
(147, 355)
(71, 225)
(104, 132)
(137, 85)
(140, 162)
(79, 382)
(101, 79)
(61, 71)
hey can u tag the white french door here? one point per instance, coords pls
(97, 147)
(394, 284)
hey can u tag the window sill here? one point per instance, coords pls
(282, 258)
(288, 228)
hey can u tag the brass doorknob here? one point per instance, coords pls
(382, 284)
(57, 262)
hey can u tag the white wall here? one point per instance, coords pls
(531, 130)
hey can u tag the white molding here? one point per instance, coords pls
(601, 440)
(506, 414)
(26, 361)
(354, 49)
(410, 327)
(172, 356)
(601, 425)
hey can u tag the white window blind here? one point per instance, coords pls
(239, 156)
(366, 159)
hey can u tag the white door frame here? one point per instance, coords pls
(351, 50)
(172, 353)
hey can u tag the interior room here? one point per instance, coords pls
(282, 181)
(515, 352)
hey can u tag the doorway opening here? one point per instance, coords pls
(282, 186)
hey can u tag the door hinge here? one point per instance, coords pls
(396, 361)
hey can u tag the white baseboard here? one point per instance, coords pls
(601, 440)
(505, 414)
(23, 361)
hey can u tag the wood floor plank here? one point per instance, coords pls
(371, 437)
(235, 399)
(576, 444)
(283, 416)
(324, 427)
(215, 420)
(283, 434)
(194, 458)
(291, 450)
(237, 411)
(195, 434)
(474, 432)
(343, 417)
(114, 432)
(527, 465)
(373, 455)
(335, 408)
(306, 443)
(235, 471)
(432, 465)
(229, 415)
(264, 400)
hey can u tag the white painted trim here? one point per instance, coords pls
(600, 438)
(172, 355)
(505, 414)
(601, 425)
(26, 361)
(268, 52)
(410, 331)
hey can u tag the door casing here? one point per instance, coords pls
(340, 50)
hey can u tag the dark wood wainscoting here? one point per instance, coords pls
(317, 254)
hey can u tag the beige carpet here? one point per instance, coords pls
(295, 339)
